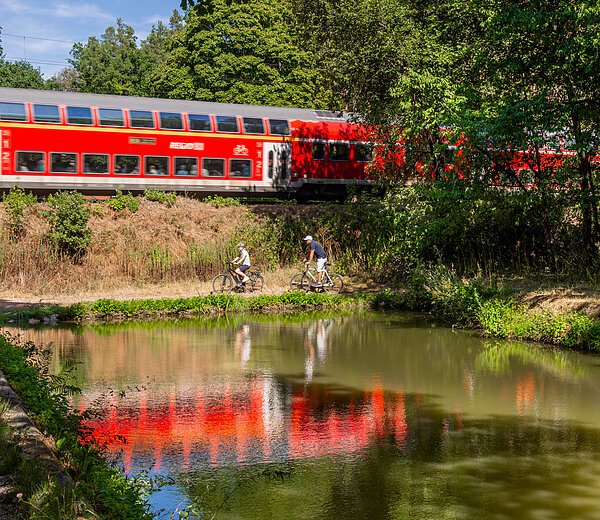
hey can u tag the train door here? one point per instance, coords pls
(277, 164)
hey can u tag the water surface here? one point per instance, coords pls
(373, 416)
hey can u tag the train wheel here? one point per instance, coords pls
(222, 283)
(337, 284)
(300, 282)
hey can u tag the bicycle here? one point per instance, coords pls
(306, 280)
(229, 280)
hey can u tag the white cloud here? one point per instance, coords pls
(81, 11)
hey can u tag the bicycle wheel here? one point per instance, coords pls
(256, 282)
(222, 283)
(299, 282)
(337, 284)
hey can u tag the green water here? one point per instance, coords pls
(372, 416)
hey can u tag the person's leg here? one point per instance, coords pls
(243, 269)
(320, 268)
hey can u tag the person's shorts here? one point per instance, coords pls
(321, 264)
(244, 268)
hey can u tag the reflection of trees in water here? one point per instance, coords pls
(497, 355)
(493, 468)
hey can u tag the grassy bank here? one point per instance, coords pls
(436, 291)
(98, 490)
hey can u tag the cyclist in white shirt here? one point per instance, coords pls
(244, 260)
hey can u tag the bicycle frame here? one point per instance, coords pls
(325, 279)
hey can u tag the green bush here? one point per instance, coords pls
(167, 198)
(46, 398)
(123, 201)
(68, 218)
(15, 202)
(218, 202)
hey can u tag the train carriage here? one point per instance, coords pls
(99, 143)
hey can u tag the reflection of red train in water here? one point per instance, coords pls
(98, 143)
(254, 426)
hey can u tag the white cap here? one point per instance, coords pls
(307, 237)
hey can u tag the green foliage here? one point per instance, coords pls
(164, 197)
(45, 397)
(15, 202)
(68, 218)
(20, 74)
(240, 52)
(160, 261)
(219, 202)
(119, 202)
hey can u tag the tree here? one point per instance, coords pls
(20, 74)
(243, 51)
(535, 67)
(109, 65)
(65, 80)
(154, 51)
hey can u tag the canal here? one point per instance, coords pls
(362, 416)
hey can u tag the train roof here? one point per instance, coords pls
(53, 97)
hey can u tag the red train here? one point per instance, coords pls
(98, 143)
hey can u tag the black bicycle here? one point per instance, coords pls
(229, 280)
(306, 280)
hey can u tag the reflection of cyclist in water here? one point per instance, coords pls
(243, 344)
(317, 336)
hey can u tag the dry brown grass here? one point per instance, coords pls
(155, 251)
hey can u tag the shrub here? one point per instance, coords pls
(68, 218)
(167, 198)
(15, 202)
(120, 202)
(218, 202)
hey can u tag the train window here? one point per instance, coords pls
(363, 152)
(79, 115)
(170, 121)
(30, 162)
(156, 165)
(63, 163)
(46, 114)
(253, 125)
(199, 122)
(95, 163)
(318, 151)
(141, 119)
(279, 127)
(240, 168)
(213, 167)
(227, 124)
(186, 166)
(339, 152)
(12, 112)
(111, 117)
(127, 165)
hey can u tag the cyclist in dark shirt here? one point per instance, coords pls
(316, 251)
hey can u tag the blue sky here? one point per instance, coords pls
(42, 32)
